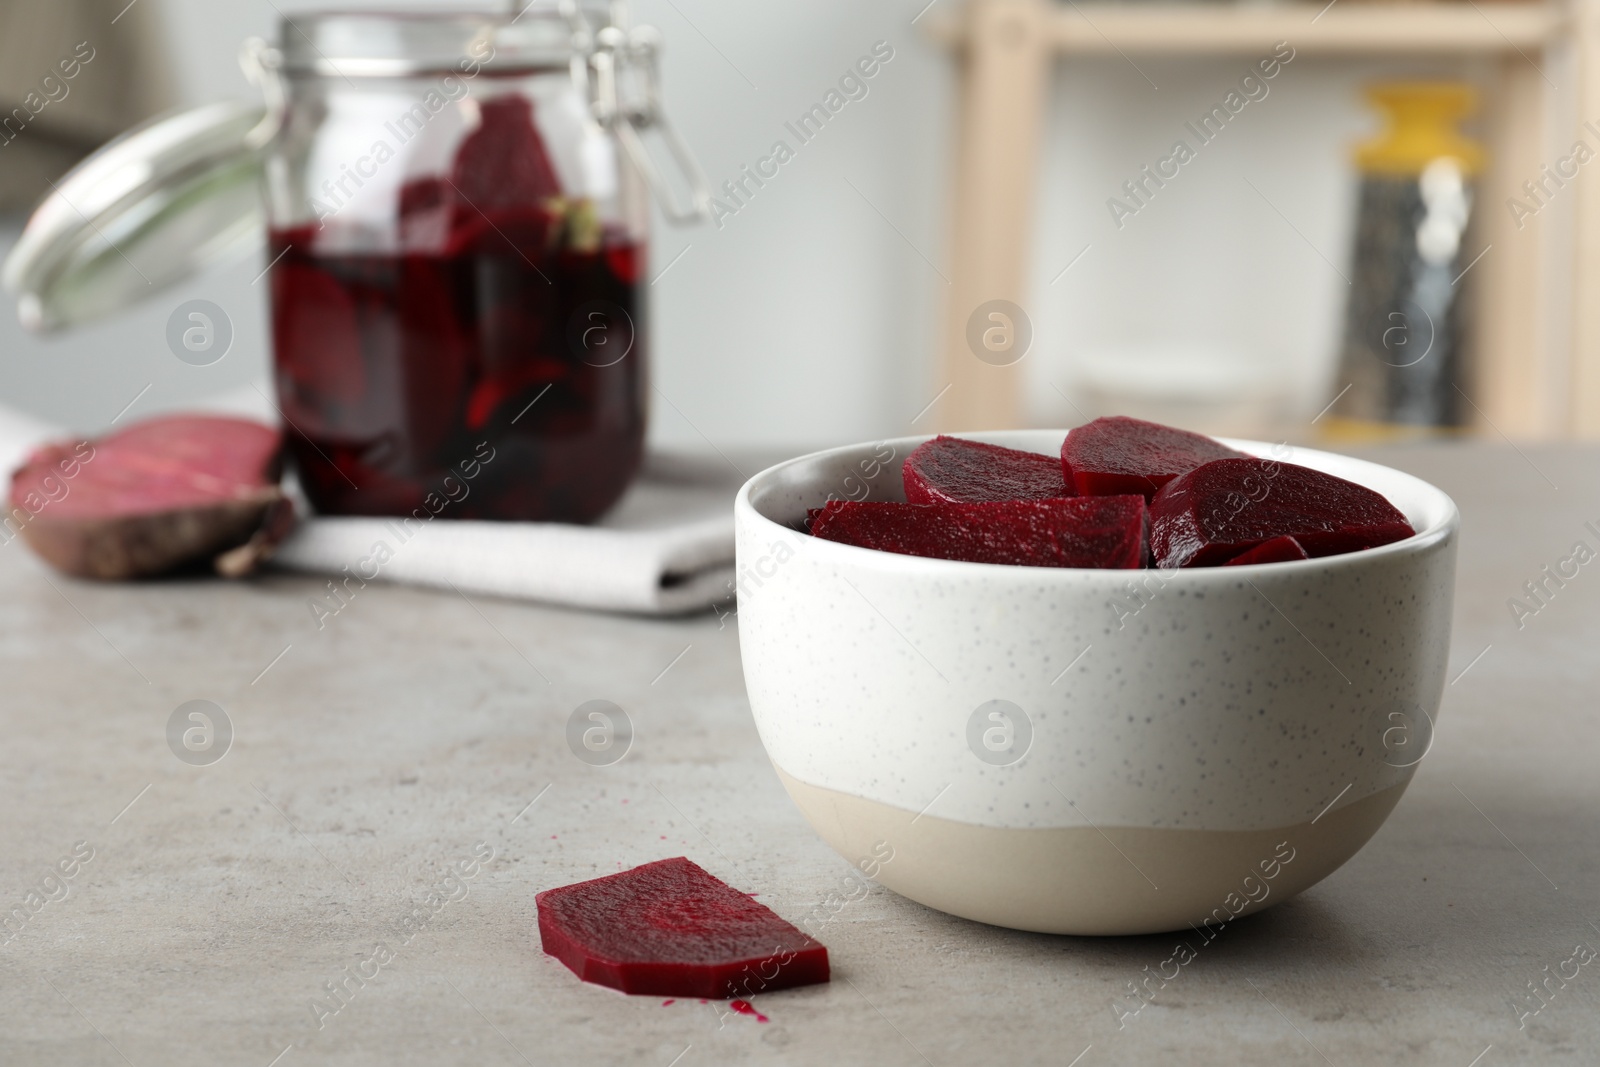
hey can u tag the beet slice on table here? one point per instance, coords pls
(669, 928)
(1070, 532)
(950, 470)
(1277, 550)
(1117, 455)
(155, 496)
(1229, 506)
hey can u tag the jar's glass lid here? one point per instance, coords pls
(160, 202)
(146, 211)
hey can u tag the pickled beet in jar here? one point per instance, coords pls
(458, 246)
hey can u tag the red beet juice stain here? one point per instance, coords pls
(744, 1007)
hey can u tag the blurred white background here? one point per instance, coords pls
(812, 317)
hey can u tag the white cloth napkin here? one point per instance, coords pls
(665, 549)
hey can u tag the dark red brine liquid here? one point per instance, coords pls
(487, 361)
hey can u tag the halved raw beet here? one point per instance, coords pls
(155, 496)
(1103, 532)
(949, 470)
(1116, 455)
(1227, 507)
(669, 928)
(1277, 550)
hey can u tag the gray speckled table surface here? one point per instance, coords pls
(418, 730)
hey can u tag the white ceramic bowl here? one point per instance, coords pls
(1089, 751)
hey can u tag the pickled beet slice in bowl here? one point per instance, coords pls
(1099, 532)
(1227, 507)
(670, 928)
(1117, 455)
(1277, 550)
(950, 470)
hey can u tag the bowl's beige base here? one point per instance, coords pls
(1071, 880)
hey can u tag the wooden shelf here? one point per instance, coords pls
(1349, 27)
(1536, 367)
